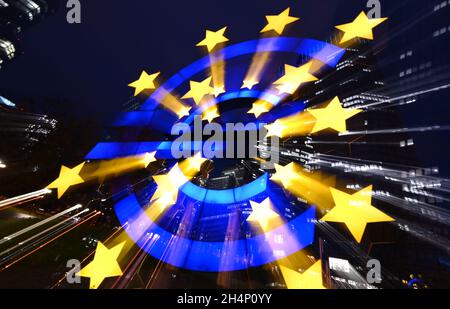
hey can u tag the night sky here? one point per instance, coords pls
(91, 64)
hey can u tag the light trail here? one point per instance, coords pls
(406, 96)
(426, 235)
(53, 227)
(439, 215)
(354, 143)
(23, 198)
(397, 131)
(217, 66)
(139, 256)
(39, 224)
(91, 216)
(259, 63)
(381, 169)
(86, 258)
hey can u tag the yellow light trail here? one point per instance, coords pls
(313, 188)
(265, 219)
(174, 104)
(96, 170)
(116, 167)
(300, 124)
(147, 83)
(214, 40)
(259, 63)
(217, 66)
(332, 116)
(164, 197)
(288, 84)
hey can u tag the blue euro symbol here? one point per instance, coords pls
(230, 251)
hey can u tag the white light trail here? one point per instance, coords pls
(44, 232)
(414, 94)
(24, 198)
(397, 131)
(39, 224)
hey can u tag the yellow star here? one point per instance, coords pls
(356, 211)
(218, 91)
(168, 198)
(149, 158)
(258, 109)
(275, 129)
(212, 39)
(311, 279)
(262, 213)
(199, 90)
(103, 266)
(196, 162)
(361, 27)
(295, 77)
(279, 22)
(290, 88)
(334, 116)
(249, 83)
(67, 178)
(144, 82)
(183, 111)
(164, 184)
(210, 115)
(170, 182)
(285, 175)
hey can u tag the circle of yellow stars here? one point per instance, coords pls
(355, 211)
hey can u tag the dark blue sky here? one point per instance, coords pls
(92, 63)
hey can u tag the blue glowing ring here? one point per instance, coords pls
(214, 256)
(226, 197)
(229, 255)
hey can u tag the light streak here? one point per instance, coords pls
(91, 216)
(397, 131)
(110, 168)
(218, 73)
(414, 94)
(126, 274)
(43, 232)
(23, 198)
(86, 258)
(39, 224)
(172, 103)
